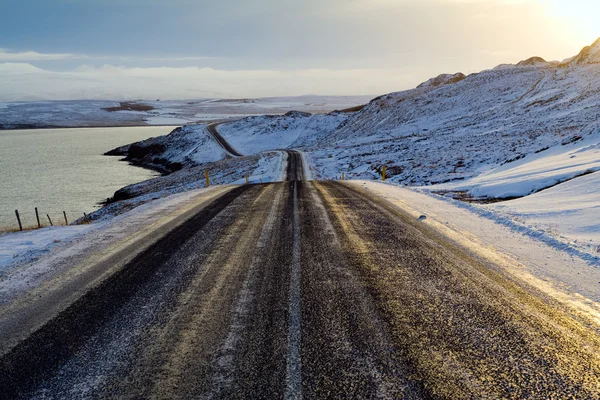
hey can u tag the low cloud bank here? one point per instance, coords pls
(23, 81)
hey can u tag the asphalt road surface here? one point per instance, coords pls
(306, 290)
(212, 129)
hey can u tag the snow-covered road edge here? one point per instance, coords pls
(43, 261)
(307, 166)
(551, 267)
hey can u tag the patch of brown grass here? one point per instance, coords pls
(128, 106)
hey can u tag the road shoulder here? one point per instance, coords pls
(568, 279)
(43, 288)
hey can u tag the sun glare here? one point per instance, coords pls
(581, 15)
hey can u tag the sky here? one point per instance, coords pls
(182, 49)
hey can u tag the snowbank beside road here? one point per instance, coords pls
(29, 259)
(21, 247)
(569, 211)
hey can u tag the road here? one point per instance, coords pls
(305, 290)
(212, 129)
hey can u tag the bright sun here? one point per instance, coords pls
(581, 15)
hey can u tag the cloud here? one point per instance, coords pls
(26, 82)
(6, 55)
(18, 68)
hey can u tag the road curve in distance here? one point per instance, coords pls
(212, 129)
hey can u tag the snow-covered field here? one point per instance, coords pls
(80, 113)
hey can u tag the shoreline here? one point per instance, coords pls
(39, 128)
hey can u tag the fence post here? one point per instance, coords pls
(65, 214)
(37, 216)
(343, 176)
(19, 220)
(247, 178)
(207, 178)
(383, 171)
(48, 215)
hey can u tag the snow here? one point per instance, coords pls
(189, 145)
(308, 167)
(535, 171)
(270, 132)
(171, 112)
(270, 168)
(20, 247)
(569, 211)
(453, 132)
(28, 259)
(166, 121)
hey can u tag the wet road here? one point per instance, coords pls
(306, 290)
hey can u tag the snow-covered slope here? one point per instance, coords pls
(589, 55)
(268, 132)
(546, 167)
(436, 134)
(184, 155)
(190, 145)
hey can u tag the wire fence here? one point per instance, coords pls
(29, 220)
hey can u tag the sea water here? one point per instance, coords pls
(60, 170)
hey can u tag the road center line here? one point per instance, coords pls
(294, 362)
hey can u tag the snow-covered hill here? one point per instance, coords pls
(269, 132)
(589, 55)
(450, 132)
(186, 146)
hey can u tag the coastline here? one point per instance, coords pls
(26, 127)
